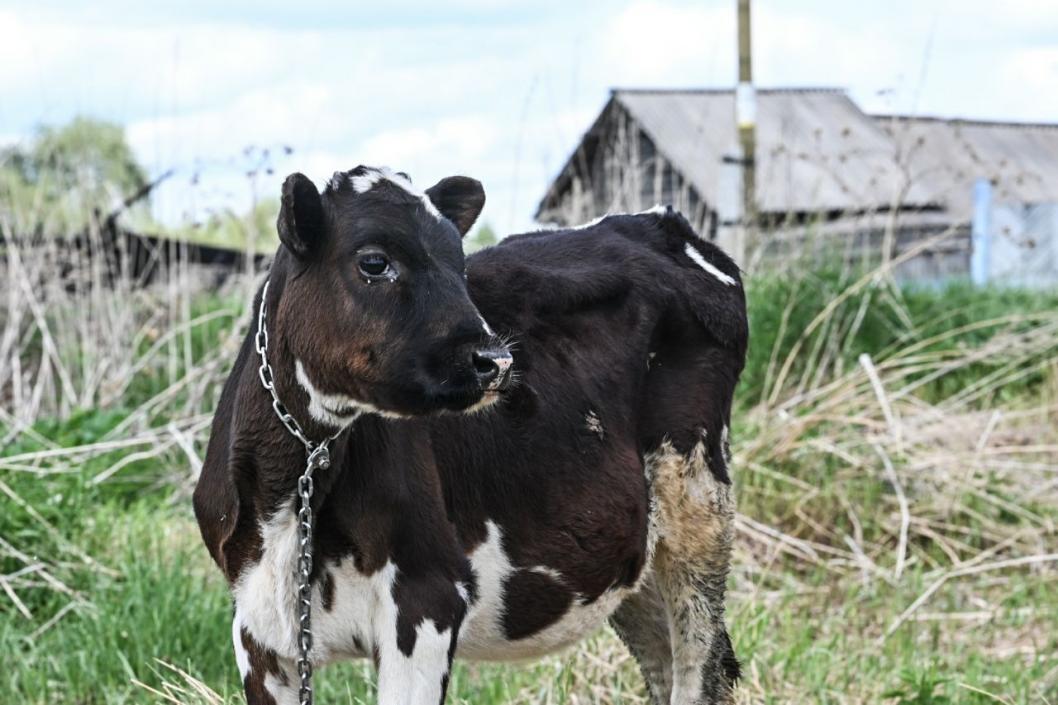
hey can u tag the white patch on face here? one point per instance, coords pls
(372, 176)
(337, 179)
(706, 265)
(485, 325)
(482, 637)
(337, 410)
(656, 209)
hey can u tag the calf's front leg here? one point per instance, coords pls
(416, 640)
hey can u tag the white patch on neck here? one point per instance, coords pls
(337, 410)
(374, 175)
(695, 255)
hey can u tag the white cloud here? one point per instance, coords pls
(652, 43)
(505, 101)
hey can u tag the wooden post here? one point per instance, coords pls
(981, 233)
(746, 118)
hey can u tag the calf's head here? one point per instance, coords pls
(373, 311)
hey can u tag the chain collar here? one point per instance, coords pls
(317, 456)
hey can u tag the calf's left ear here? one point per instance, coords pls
(458, 198)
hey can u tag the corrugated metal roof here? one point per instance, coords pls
(947, 156)
(815, 149)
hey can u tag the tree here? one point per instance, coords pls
(68, 176)
(483, 237)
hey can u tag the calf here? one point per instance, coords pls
(591, 484)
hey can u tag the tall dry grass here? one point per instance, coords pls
(83, 339)
(921, 461)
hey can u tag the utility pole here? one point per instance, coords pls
(746, 119)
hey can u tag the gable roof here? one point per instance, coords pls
(946, 156)
(817, 151)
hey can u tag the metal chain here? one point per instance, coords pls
(318, 456)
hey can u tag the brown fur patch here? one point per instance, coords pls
(695, 522)
(695, 512)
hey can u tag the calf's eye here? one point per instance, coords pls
(375, 265)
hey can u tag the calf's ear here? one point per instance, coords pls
(458, 198)
(300, 221)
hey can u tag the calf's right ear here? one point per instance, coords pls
(300, 221)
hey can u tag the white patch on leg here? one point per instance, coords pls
(695, 255)
(242, 657)
(407, 680)
(410, 680)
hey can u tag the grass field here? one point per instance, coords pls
(896, 462)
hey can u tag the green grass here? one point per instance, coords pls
(815, 645)
(809, 618)
(876, 320)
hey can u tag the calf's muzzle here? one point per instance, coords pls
(493, 368)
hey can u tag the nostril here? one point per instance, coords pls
(486, 368)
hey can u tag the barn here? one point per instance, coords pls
(824, 168)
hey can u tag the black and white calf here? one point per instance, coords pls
(595, 485)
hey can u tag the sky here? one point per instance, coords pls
(498, 90)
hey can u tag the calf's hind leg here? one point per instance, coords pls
(642, 623)
(695, 520)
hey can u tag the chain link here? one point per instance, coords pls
(319, 457)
